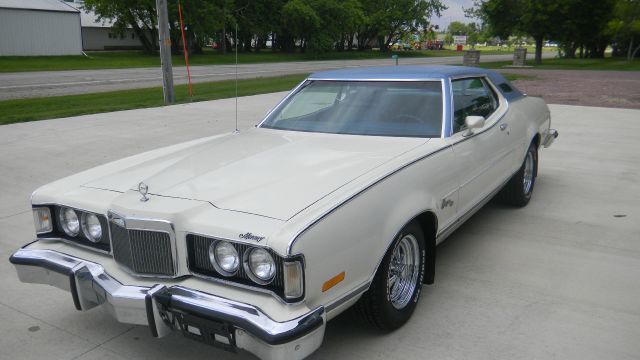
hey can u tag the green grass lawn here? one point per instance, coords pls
(133, 59)
(21, 110)
(12, 111)
(573, 64)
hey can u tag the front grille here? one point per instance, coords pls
(141, 251)
(198, 249)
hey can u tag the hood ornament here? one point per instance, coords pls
(143, 189)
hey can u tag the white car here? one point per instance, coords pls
(254, 240)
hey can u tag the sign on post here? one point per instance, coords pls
(460, 39)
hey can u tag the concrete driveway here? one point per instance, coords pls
(559, 279)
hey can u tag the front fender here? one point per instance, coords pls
(354, 237)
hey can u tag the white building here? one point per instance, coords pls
(99, 34)
(39, 27)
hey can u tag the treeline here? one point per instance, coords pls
(287, 25)
(583, 28)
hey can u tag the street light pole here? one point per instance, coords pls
(165, 51)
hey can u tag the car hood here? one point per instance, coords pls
(271, 173)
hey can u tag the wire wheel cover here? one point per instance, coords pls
(403, 271)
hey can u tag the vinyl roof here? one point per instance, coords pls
(403, 72)
(44, 5)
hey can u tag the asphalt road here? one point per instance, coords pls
(53, 83)
(558, 279)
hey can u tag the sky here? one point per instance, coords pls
(453, 13)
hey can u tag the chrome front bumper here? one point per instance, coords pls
(549, 137)
(215, 320)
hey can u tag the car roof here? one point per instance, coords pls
(419, 72)
(402, 72)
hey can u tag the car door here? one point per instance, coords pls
(482, 156)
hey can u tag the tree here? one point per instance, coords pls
(575, 23)
(538, 18)
(140, 15)
(202, 18)
(314, 25)
(389, 20)
(585, 27)
(457, 28)
(625, 27)
(300, 21)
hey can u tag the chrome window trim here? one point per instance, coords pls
(149, 224)
(67, 241)
(499, 116)
(244, 286)
(307, 80)
(290, 94)
(376, 79)
(445, 110)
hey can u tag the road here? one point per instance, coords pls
(558, 279)
(54, 83)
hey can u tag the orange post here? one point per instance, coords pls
(184, 47)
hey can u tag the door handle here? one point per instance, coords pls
(503, 127)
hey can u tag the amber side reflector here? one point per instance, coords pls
(332, 282)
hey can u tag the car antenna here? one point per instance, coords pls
(236, 43)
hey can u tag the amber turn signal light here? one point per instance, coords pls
(332, 282)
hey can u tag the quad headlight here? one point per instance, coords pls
(69, 221)
(248, 265)
(91, 227)
(261, 266)
(224, 257)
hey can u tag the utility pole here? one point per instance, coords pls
(165, 51)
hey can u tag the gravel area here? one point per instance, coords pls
(617, 89)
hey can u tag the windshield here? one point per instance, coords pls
(380, 108)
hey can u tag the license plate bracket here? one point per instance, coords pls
(215, 333)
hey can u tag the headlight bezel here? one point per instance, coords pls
(64, 222)
(84, 219)
(197, 248)
(58, 233)
(215, 260)
(250, 271)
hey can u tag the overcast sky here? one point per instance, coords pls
(453, 13)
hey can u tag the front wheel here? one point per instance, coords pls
(395, 290)
(517, 192)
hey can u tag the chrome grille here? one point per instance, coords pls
(198, 248)
(143, 252)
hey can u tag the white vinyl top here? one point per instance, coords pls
(46, 5)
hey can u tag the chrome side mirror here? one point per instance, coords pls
(473, 122)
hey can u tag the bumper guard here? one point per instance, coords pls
(550, 136)
(208, 318)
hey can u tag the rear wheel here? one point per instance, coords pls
(396, 287)
(518, 190)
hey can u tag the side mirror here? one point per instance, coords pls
(473, 122)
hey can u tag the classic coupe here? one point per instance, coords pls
(255, 239)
